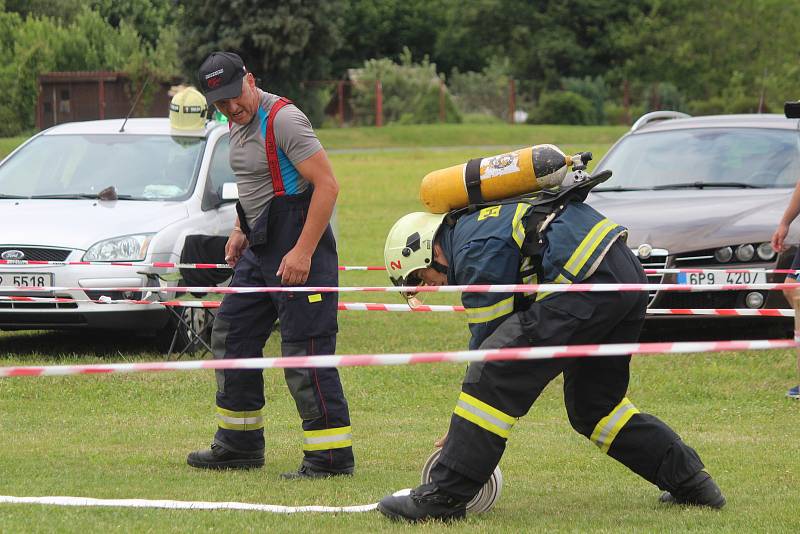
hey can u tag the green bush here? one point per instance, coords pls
(719, 105)
(411, 92)
(484, 92)
(614, 113)
(563, 107)
(592, 89)
(669, 97)
(712, 106)
(85, 41)
(313, 100)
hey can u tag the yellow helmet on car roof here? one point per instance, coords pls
(188, 110)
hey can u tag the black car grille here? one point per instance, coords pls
(39, 254)
(708, 299)
(700, 299)
(657, 259)
(15, 321)
(38, 305)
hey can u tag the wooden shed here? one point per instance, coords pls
(91, 95)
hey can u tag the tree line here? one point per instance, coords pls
(573, 61)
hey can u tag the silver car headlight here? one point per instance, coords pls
(123, 248)
(745, 252)
(724, 254)
(765, 251)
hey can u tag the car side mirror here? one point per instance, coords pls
(229, 191)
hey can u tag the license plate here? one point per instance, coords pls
(721, 277)
(26, 279)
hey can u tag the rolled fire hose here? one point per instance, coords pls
(488, 495)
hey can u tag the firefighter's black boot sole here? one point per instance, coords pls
(404, 508)
(227, 464)
(306, 472)
(217, 457)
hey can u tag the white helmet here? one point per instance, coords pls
(188, 110)
(409, 246)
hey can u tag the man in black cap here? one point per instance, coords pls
(282, 236)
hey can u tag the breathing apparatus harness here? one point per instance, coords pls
(546, 205)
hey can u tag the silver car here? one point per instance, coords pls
(92, 191)
(705, 193)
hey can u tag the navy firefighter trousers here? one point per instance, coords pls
(308, 326)
(495, 394)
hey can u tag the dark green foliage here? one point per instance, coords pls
(379, 29)
(282, 42)
(563, 107)
(60, 9)
(699, 56)
(147, 16)
(594, 90)
(544, 40)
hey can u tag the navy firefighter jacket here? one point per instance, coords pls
(484, 247)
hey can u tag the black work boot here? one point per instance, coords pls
(306, 471)
(700, 490)
(218, 457)
(424, 503)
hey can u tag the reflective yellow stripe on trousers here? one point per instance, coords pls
(610, 425)
(330, 438)
(230, 420)
(483, 415)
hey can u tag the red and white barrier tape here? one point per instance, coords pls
(165, 264)
(720, 271)
(361, 268)
(724, 312)
(377, 306)
(477, 288)
(157, 264)
(170, 265)
(343, 306)
(359, 360)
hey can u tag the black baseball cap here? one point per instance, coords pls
(221, 76)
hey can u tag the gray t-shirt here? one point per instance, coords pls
(296, 142)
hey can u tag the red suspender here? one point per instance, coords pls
(272, 149)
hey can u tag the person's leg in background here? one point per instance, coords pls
(240, 330)
(308, 327)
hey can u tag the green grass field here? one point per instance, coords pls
(127, 436)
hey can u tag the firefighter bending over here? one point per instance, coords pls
(559, 241)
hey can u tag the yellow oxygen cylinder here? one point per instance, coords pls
(494, 178)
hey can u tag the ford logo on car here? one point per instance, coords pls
(13, 255)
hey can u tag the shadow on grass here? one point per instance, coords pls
(67, 344)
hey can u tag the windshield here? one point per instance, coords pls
(707, 157)
(139, 167)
